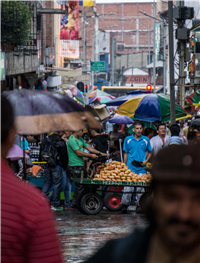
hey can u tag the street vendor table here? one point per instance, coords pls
(96, 193)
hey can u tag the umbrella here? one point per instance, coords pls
(16, 153)
(150, 107)
(120, 100)
(102, 99)
(194, 98)
(98, 92)
(195, 123)
(41, 112)
(121, 119)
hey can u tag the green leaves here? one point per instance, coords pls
(15, 23)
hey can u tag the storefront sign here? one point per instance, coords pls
(157, 40)
(69, 48)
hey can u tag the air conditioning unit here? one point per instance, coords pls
(120, 47)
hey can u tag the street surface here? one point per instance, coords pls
(82, 235)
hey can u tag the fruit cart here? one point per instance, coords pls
(98, 193)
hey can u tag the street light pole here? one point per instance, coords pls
(154, 50)
(84, 41)
(171, 62)
(164, 58)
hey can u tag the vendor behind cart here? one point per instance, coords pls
(137, 153)
(75, 149)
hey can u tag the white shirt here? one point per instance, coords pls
(157, 143)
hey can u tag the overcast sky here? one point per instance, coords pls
(122, 1)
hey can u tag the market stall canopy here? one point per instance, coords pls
(194, 98)
(102, 99)
(98, 92)
(120, 100)
(121, 119)
(150, 107)
(41, 112)
(158, 64)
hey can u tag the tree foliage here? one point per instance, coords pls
(15, 23)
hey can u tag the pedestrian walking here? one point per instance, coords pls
(137, 152)
(28, 232)
(175, 138)
(173, 234)
(158, 141)
(54, 152)
(75, 149)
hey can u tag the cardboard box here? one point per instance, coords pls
(98, 111)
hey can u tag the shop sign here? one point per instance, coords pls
(157, 40)
(2, 66)
(69, 48)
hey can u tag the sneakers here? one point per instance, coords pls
(139, 210)
(56, 208)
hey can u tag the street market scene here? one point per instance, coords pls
(100, 131)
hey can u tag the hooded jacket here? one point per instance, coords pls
(61, 147)
(100, 143)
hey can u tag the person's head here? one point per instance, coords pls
(175, 205)
(115, 128)
(143, 128)
(149, 132)
(30, 138)
(78, 133)
(137, 128)
(116, 145)
(126, 130)
(161, 129)
(181, 123)
(68, 134)
(8, 130)
(94, 132)
(175, 129)
(192, 138)
(60, 133)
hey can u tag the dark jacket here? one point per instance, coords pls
(100, 143)
(130, 249)
(61, 147)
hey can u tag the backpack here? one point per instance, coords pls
(49, 153)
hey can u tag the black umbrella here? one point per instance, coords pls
(195, 123)
(41, 112)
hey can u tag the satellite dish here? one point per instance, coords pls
(62, 2)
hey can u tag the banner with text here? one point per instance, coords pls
(157, 40)
(69, 30)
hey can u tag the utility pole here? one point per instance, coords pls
(171, 62)
(154, 50)
(84, 41)
(132, 68)
(181, 66)
(164, 58)
(112, 59)
(137, 35)
(149, 43)
(96, 37)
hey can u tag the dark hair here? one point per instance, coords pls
(191, 135)
(117, 125)
(136, 123)
(96, 130)
(7, 118)
(160, 124)
(175, 129)
(147, 131)
(116, 143)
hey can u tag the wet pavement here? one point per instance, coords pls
(82, 235)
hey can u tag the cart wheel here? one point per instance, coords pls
(78, 201)
(91, 203)
(112, 201)
(145, 200)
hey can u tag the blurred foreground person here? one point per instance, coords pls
(27, 227)
(173, 212)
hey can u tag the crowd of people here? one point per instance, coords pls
(28, 232)
(67, 153)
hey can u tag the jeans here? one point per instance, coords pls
(53, 176)
(66, 187)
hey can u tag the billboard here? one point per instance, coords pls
(69, 30)
(2, 66)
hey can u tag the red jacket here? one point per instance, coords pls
(28, 233)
